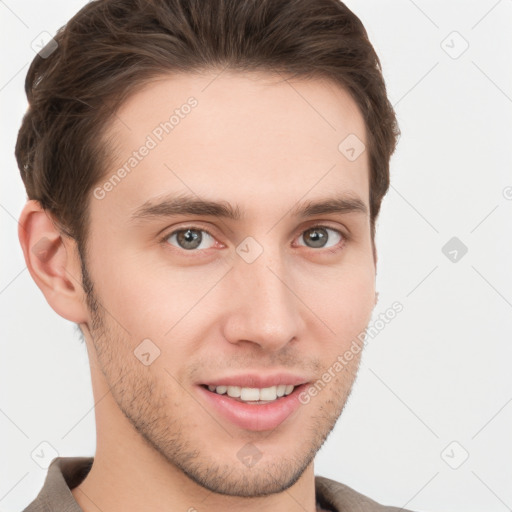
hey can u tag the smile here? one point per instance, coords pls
(249, 407)
(254, 395)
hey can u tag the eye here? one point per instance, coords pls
(319, 237)
(195, 238)
(190, 239)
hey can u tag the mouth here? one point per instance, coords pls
(253, 395)
(249, 407)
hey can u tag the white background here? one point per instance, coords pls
(438, 373)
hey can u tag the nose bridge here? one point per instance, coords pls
(266, 309)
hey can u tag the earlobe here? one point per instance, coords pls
(53, 262)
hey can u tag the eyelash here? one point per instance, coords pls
(344, 238)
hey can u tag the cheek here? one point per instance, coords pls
(150, 297)
(344, 301)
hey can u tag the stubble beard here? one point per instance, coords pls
(142, 400)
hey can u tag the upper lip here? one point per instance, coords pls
(257, 380)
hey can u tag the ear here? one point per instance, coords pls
(375, 258)
(53, 262)
(374, 250)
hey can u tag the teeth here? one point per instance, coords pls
(234, 391)
(249, 394)
(254, 394)
(268, 393)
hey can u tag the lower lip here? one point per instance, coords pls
(256, 417)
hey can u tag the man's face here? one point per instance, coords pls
(193, 303)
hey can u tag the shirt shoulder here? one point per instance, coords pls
(339, 497)
(64, 473)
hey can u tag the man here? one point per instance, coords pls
(204, 179)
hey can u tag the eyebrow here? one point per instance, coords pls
(189, 205)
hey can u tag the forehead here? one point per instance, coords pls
(253, 138)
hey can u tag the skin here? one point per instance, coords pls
(266, 145)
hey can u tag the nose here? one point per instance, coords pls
(263, 308)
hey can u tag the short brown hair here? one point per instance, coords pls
(112, 47)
